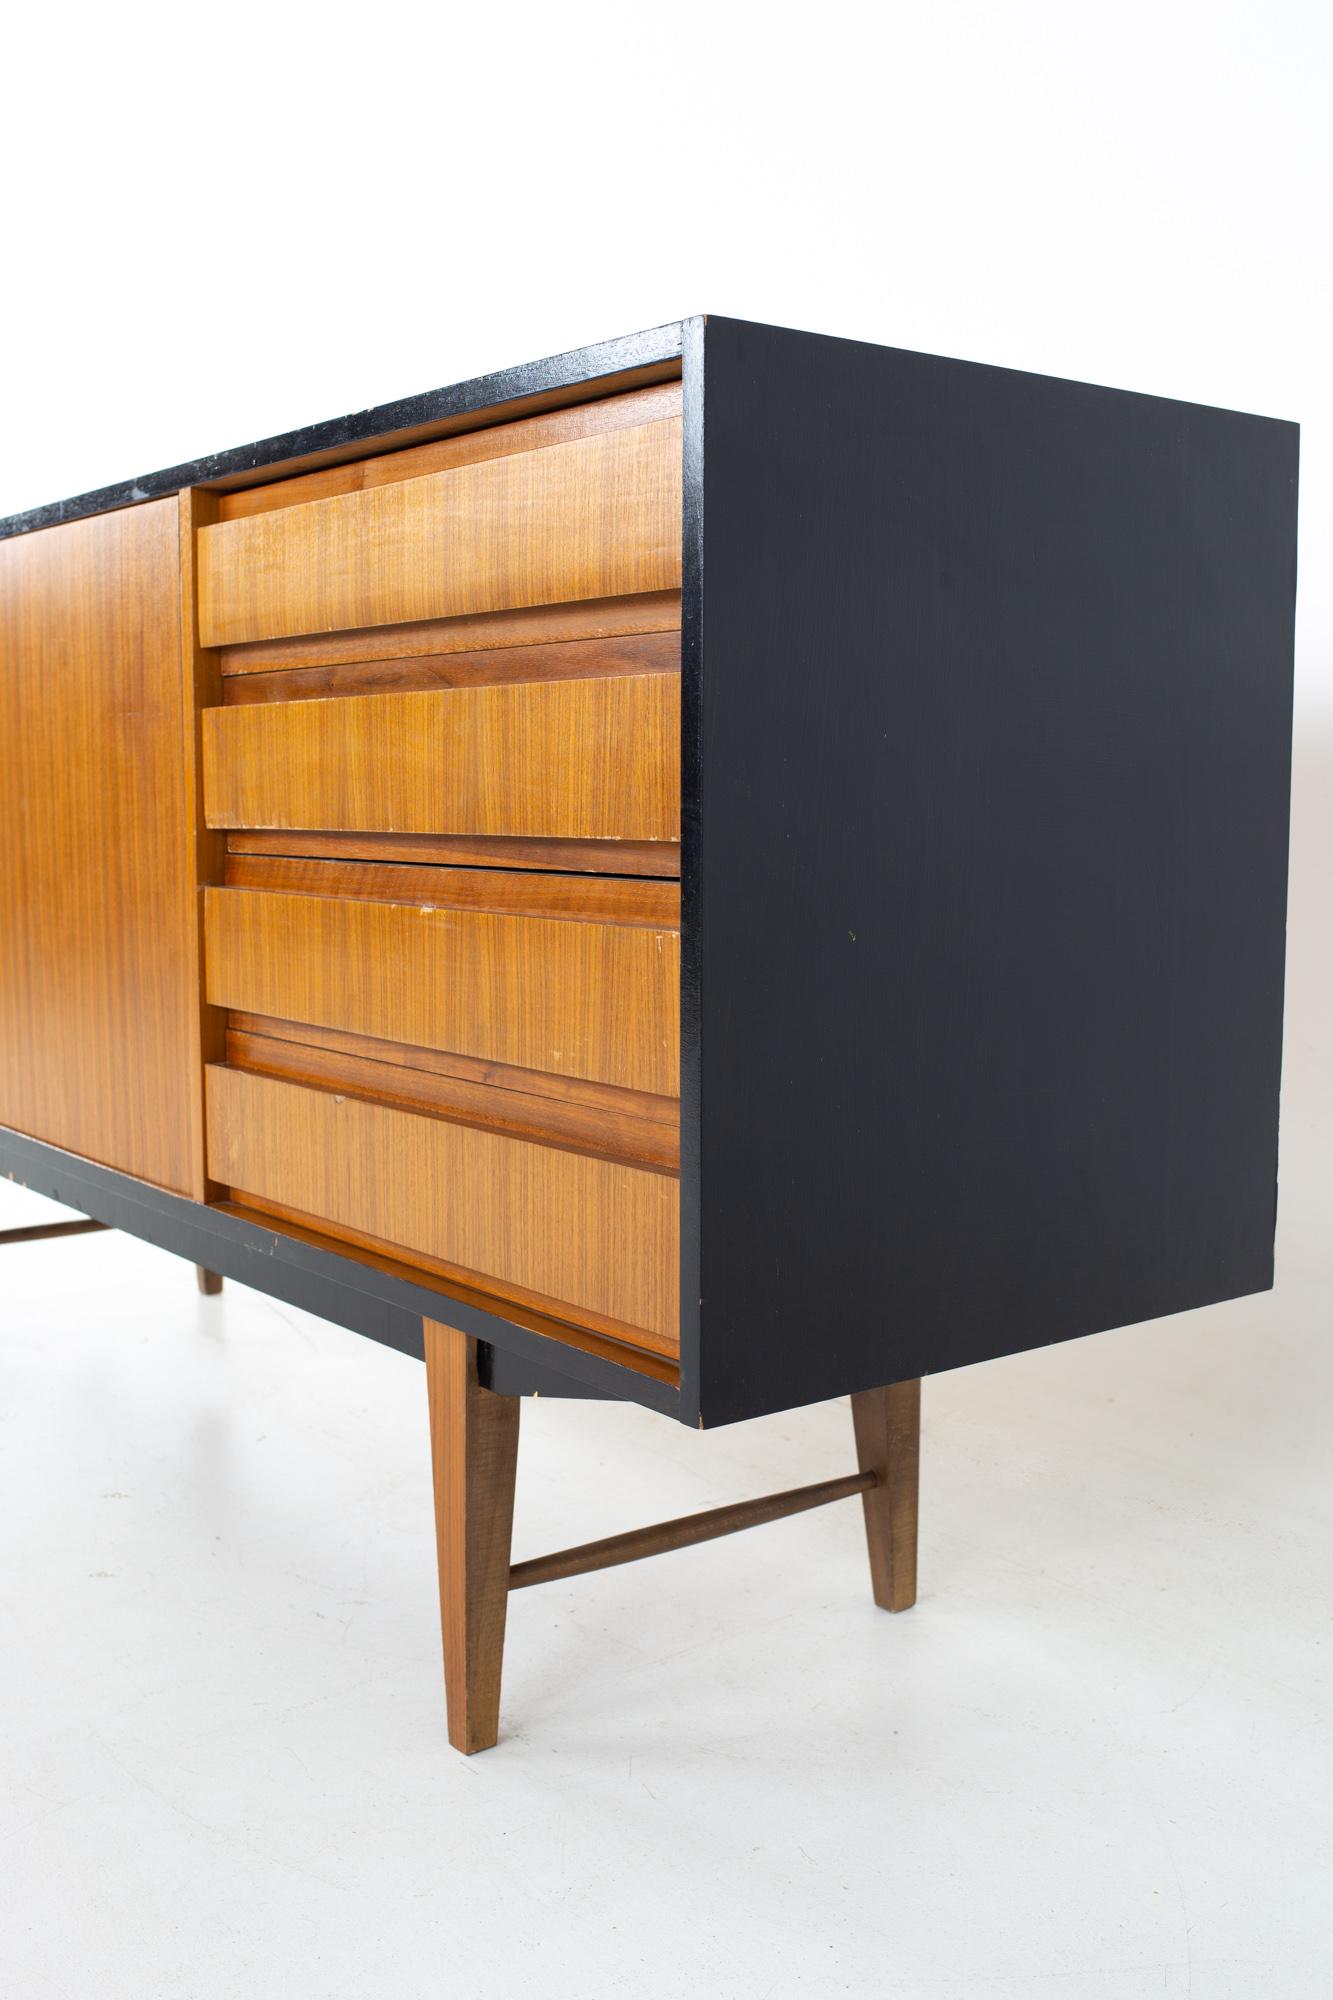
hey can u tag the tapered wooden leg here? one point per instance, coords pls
(887, 1423)
(210, 1284)
(474, 1453)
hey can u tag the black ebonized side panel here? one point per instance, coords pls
(991, 876)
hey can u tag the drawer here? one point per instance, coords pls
(595, 759)
(598, 516)
(572, 997)
(547, 1227)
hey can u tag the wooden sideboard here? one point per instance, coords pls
(720, 870)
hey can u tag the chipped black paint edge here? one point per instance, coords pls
(357, 1296)
(372, 426)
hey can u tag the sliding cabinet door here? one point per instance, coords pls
(98, 968)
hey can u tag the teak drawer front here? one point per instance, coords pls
(587, 1234)
(596, 517)
(576, 760)
(592, 1000)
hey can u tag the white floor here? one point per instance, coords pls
(1094, 1762)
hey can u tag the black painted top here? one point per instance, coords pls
(533, 378)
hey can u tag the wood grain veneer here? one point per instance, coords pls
(597, 517)
(565, 1230)
(603, 1097)
(491, 631)
(573, 659)
(588, 760)
(99, 1015)
(249, 475)
(502, 1100)
(658, 858)
(581, 999)
(613, 899)
(386, 1260)
(577, 420)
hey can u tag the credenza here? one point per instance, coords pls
(725, 869)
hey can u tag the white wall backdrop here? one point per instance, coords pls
(219, 223)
